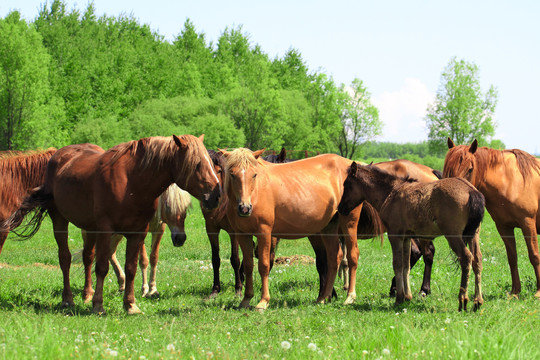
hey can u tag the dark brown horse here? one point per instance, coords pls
(449, 207)
(20, 172)
(115, 191)
(510, 181)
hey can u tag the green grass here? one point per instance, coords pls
(181, 324)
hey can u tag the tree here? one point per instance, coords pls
(360, 119)
(29, 112)
(461, 111)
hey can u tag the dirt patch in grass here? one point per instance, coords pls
(300, 259)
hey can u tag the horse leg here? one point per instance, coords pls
(213, 237)
(237, 266)
(133, 249)
(333, 259)
(154, 257)
(3, 237)
(120, 276)
(349, 229)
(343, 271)
(428, 253)
(103, 243)
(264, 244)
(465, 259)
(531, 239)
(273, 249)
(507, 234)
(320, 260)
(60, 228)
(246, 244)
(406, 261)
(89, 251)
(397, 263)
(477, 269)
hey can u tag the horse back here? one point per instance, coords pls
(406, 168)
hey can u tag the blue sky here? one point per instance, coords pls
(398, 48)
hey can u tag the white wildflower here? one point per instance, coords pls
(285, 345)
(312, 346)
(386, 352)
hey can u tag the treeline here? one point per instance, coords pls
(417, 152)
(71, 77)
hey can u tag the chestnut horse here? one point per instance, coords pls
(20, 172)
(290, 201)
(510, 181)
(449, 207)
(172, 209)
(115, 191)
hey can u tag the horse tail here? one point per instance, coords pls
(370, 224)
(476, 205)
(437, 173)
(35, 203)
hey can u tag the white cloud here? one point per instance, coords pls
(402, 112)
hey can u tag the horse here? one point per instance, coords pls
(290, 201)
(510, 181)
(172, 209)
(423, 174)
(451, 207)
(114, 191)
(20, 173)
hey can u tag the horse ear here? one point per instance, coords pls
(201, 137)
(224, 152)
(258, 153)
(354, 167)
(282, 155)
(450, 143)
(180, 141)
(473, 147)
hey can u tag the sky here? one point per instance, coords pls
(398, 48)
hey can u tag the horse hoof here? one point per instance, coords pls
(512, 296)
(422, 294)
(244, 304)
(67, 304)
(261, 306)
(349, 300)
(152, 295)
(99, 310)
(133, 310)
(237, 292)
(537, 295)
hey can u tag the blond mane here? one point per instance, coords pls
(241, 158)
(175, 200)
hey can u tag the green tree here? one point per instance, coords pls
(29, 113)
(461, 111)
(360, 119)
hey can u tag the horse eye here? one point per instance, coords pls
(254, 176)
(198, 167)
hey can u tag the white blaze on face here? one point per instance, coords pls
(212, 168)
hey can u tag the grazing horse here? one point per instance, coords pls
(115, 191)
(449, 207)
(20, 172)
(510, 181)
(424, 174)
(290, 201)
(172, 209)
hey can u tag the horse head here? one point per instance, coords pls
(352, 191)
(460, 161)
(174, 205)
(241, 171)
(198, 174)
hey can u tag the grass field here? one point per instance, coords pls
(182, 324)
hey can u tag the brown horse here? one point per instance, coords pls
(290, 201)
(172, 209)
(449, 207)
(510, 181)
(115, 191)
(20, 172)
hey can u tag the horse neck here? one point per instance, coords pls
(377, 190)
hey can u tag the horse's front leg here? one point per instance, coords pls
(428, 253)
(406, 261)
(154, 257)
(349, 229)
(88, 254)
(213, 237)
(103, 248)
(134, 244)
(246, 244)
(333, 258)
(531, 239)
(509, 239)
(120, 276)
(264, 244)
(397, 262)
(60, 228)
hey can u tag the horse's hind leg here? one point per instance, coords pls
(465, 259)
(103, 242)
(416, 254)
(349, 229)
(213, 237)
(507, 234)
(477, 269)
(264, 243)
(89, 250)
(154, 257)
(531, 239)
(343, 271)
(397, 263)
(133, 248)
(3, 237)
(120, 276)
(60, 227)
(406, 256)
(333, 259)
(427, 251)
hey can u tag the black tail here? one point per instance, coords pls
(476, 206)
(35, 203)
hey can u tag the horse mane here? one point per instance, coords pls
(242, 158)
(21, 171)
(176, 200)
(370, 224)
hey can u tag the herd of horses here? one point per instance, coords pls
(143, 185)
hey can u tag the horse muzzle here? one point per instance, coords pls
(178, 239)
(343, 209)
(245, 210)
(211, 199)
